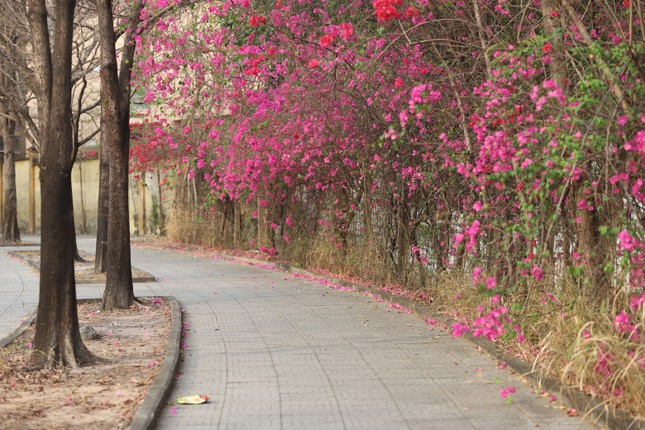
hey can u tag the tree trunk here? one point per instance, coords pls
(81, 191)
(119, 292)
(162, 216)
(57, 340)
(115, 107)
(10, 230)
(100, 259)
(141, 219)
(402, 240)
(552, 28)
(32, 192)
(237, 224)
(597, 251)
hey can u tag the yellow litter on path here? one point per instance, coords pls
(193, 400)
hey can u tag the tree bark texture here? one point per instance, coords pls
(100, 259)
(115, 116)
(10, 229)
(57, 340)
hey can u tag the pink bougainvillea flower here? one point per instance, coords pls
(411, 11)
(459, 329)
(626, 241)
(346, 30)
(507, 392)
(327, 40)
(257, 20)
(385, 10)
(537, 272)
(622, 322)
(636, 302)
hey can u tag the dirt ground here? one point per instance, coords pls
(102, 396)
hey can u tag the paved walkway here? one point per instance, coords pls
(18, 292)
(275, 352)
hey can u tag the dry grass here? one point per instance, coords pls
(184, 227)
(567, 339)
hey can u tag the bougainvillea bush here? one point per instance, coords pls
(411, 142)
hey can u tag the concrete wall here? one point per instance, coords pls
(144, 199)
(85, 187)
(22, 193)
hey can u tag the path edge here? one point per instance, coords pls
(26, 322)
(149, 410)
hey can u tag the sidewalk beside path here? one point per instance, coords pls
(277, 352)
(18, 292)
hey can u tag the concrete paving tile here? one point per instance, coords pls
(313, 421)
(501, 421)
(440, 424)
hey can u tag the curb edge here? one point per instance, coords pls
(149, 410)
(26, 322)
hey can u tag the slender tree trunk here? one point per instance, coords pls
(100, 260)
(162, 217)
(264, 239)
(57, 340)
(237, 224)
(594, 250)
(141, 219)
(597, 250)
(119, 292)
(115, 105)
(32, 192)
(10, 230)
(82, 192)
(552, 27)
(77, 254)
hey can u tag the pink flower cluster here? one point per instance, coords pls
(507, 392)
(385, 10)
(492, 325)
